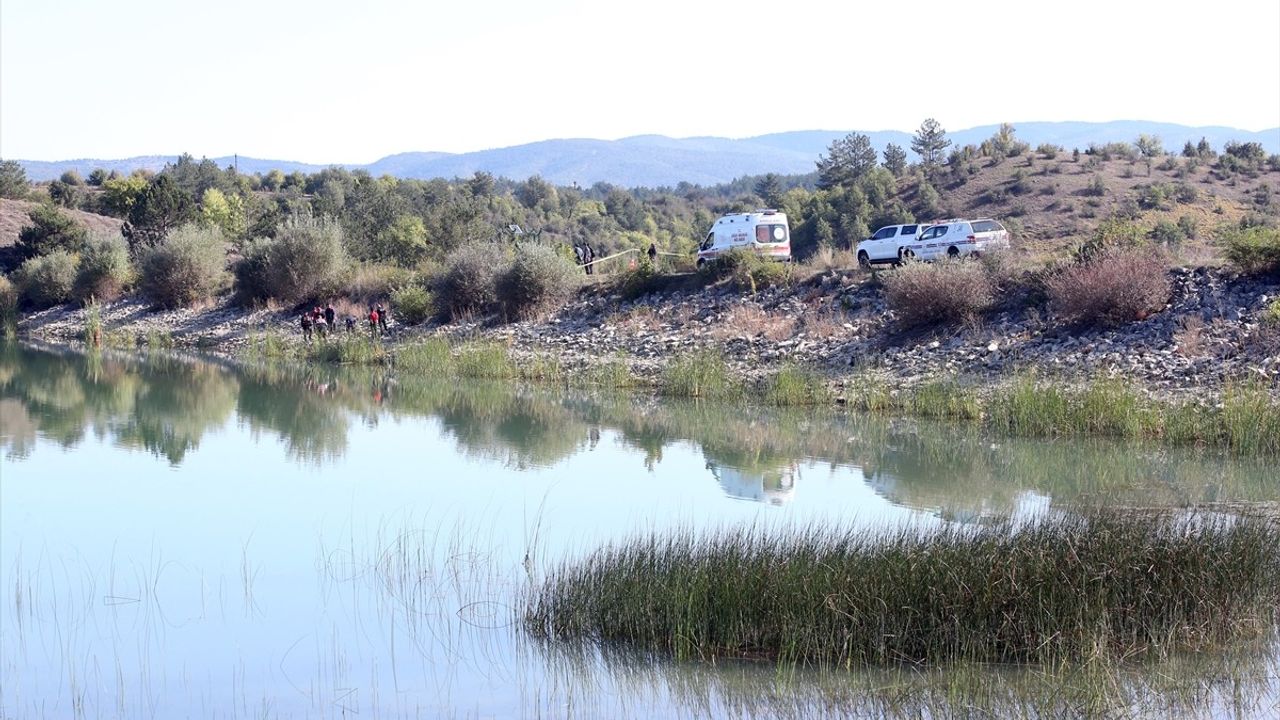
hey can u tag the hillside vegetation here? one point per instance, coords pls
(375, 237)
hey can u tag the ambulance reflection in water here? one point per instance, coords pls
(767, 485)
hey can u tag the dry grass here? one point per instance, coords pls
(827, 259)
(636, 319)
(824, 323)
(1114, 287)
(1190, 337)
(751, 321)
(948, 291)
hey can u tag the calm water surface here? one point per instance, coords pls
(185, 538)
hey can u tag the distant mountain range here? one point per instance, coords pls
(655, 160)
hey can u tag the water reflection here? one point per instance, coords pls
(166, 405)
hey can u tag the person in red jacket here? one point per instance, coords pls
(373, 321)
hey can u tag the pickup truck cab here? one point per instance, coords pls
(764, 232)
(890, 244)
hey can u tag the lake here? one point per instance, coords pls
(183, 536)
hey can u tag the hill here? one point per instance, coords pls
(655, 160)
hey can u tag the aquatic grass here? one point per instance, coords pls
(432, 355)
(270, 345)
(943, 399)
(8, 308)
(93, 323)
(348, 350)
(159, 340)
(700, 374)
(1246, 420)
(484, 360)
(1062, 588)
(795, 385)
(613, 373)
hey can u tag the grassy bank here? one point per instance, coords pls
(1106, 586)
(1245, 420)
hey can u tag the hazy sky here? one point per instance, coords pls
(352, 81)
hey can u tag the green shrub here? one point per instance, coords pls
(942, 292)
(1168, 233)
(1112, 233)
(637, 281)
(1254, 249)
(188, 266)
(304, 261)
(8, 307)
(411, 303)
(47, 279)
(104, 271)
(537, 280)
(1110, 287)
(747, 271)
(1049, 150)
(469, 281)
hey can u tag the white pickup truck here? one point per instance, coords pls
(946, 238)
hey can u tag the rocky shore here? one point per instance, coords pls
(1213, 331)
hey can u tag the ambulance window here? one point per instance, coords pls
(771, 233)
(711, 238)
(909, 229)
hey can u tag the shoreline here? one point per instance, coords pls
(834, 325)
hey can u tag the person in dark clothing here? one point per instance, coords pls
(330, 316)
(382, 320)
(305, 321)
(653, 254)
(351, 324)
(588, 258)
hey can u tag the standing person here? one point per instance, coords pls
(373, 321)
(305, 321)
(330, 317)
(653, 255)
(588, 258)
(578, 254)
(382, 320)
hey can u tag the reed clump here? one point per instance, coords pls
(485, 360)
(1067, 588)
(702, 374)
(796, 385)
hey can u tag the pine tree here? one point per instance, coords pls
(930, 141)
(769, 189)
(847, 160)
(895, 159)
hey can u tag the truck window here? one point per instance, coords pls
(884, 233)
(909, 229)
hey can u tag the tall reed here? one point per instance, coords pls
(1061, 588)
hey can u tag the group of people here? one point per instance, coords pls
(322, 322)
(585, 256)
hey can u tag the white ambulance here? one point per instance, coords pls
(764, 232)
